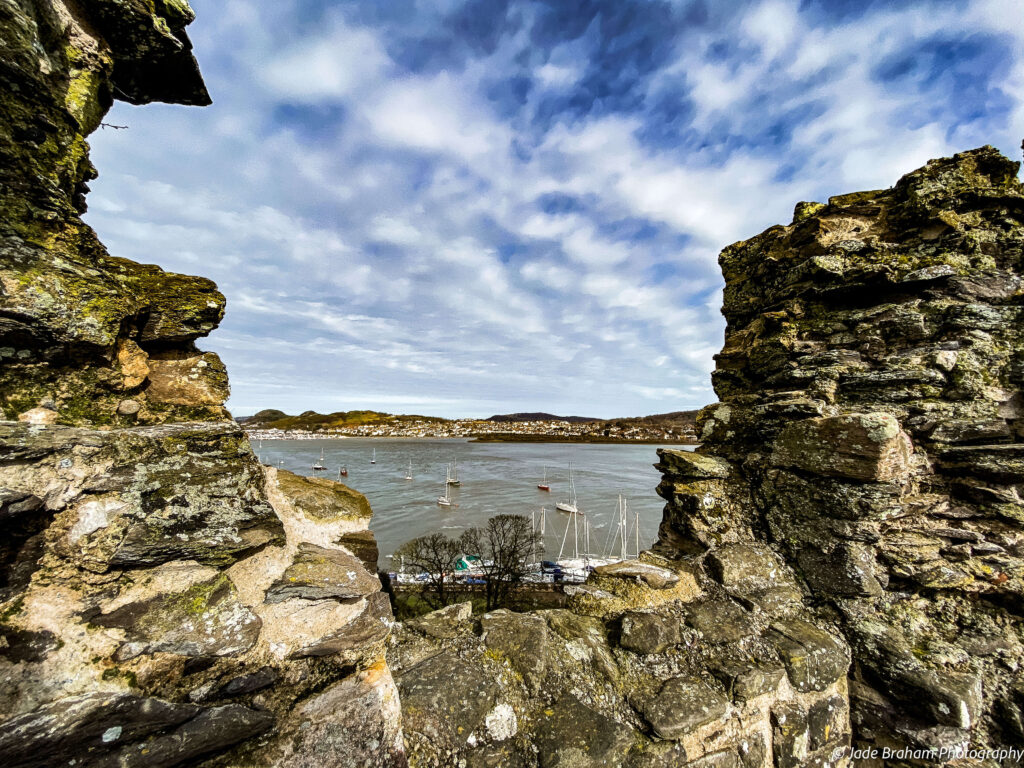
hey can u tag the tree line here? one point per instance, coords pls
(504, 547)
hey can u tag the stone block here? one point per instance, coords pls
(746, 568)
(573, 735)
(648, 633)
(868, 447)
(682, 705)
(354, 722)
(692, 465)
(524, 639)
(446, 698)
(789, 735)
(363, 545)
(727, 758)
(317, 573)
(826, 721)
(849, 570)
(188, 380)
(444, 623)
(358, 638)
(814, 658)
(204, 620)
(653, 576)
(748, 680)
(1002, 463)
(753, 750)
(322, 500)
(720, 621)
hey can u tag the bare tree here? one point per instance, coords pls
(504, 546)
(435, 555)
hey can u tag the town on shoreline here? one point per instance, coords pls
(488, 431)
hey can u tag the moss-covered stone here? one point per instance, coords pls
(869, 426)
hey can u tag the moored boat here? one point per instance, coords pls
(571, 506)
(319, 466)
(446, 500)
(453, 474)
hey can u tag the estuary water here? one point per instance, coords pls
(497, 478)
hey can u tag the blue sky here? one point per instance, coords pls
(467, 207)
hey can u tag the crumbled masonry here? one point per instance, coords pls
(841, 564)
(157, 595)
(839, 570)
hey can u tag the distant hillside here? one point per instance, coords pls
(312, 421)
(262, 417)
(665, 420)
(510, 417)
(678, 419)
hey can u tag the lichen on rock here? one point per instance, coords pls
(869, 426)
(163, 599)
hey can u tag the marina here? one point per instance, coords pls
(495, 478)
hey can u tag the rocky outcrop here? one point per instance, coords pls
(164, 599)
(840, 565)
(869, 436)
(85, 338)
(655, 663)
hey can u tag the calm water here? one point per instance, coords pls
(497, 478)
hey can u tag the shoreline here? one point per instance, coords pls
(573, 439)
(507, 438)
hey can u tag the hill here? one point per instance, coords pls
(514, 417)
(675, 419)
(313, 421)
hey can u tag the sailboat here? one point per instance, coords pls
(408, 475)
(577, 567)
(453, 474)
(544, 485)
(446, 500)
(319, 466)
(570, 506)
(373, 459)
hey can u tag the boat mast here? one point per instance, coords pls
(575, 538)
(622, 527)
(564, 537)
(533, 539)
(638, 532)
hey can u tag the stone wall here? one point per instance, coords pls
(164, 599)
(657, 663)
(840, 565)
(870, 433)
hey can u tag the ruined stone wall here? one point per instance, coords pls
(164, 599)
(839, 565)
(870, 432)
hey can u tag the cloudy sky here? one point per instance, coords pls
(471, 207)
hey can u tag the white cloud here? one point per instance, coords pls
(557, 77)
(434, 113)
(339, 64)
(391, 249)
